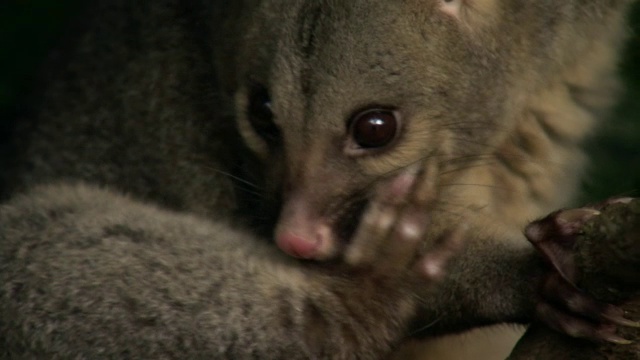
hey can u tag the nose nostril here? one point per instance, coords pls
(298, 246)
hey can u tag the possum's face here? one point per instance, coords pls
(335, 95)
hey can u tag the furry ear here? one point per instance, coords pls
(473, 13)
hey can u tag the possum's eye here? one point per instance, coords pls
(261, 115)
(373, 128)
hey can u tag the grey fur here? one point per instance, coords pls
(141, 101)
(89, 274)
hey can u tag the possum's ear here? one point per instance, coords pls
(472, 13)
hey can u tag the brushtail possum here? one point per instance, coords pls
(500, 93)
(279, 117)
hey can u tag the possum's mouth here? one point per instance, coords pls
(347, 219)
(344, 217)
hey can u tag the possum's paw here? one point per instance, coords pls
(565, 307)
(392, 230)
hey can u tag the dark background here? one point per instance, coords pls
(30, 28)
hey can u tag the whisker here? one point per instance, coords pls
(425, 327)
(467, 166)
(234, 177)
(245, 190)
(473, 185)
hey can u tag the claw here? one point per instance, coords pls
(615, 339)
(576, 215)
(624, 200)
(615, 316)
(612, 201)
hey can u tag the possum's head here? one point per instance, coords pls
(333, 95)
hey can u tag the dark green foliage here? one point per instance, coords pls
(28, 31)
(615, 151)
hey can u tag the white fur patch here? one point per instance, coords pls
(451, 7)
(473, 14)
(410, 230)
(433, 269)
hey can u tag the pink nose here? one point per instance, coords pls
(298, 246)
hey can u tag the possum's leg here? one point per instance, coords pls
(555, 237)
(607, 255)
(89, 274)
(492, 282)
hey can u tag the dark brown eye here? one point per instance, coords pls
(374, 128)
(261, 115)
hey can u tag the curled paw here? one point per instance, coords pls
(564, 306)
(392, 231)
